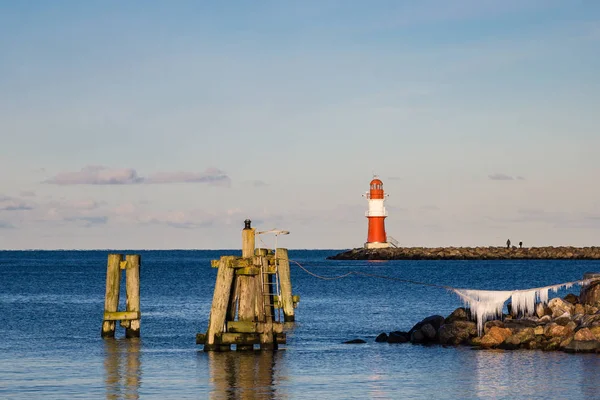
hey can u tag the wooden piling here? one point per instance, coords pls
(248, 241)
(132, 276)
(247, 284)
(216, 322)
(285, 283)
(111, 299)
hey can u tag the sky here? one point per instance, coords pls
(164, 125)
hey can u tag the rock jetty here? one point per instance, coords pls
(570, 324)
(471, 253)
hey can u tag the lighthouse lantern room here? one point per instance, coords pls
(376, 214)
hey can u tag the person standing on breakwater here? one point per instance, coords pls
(508, 244)
(520, 245)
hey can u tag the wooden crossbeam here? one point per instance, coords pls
(122, 315)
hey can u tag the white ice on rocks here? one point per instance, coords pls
(485, 304)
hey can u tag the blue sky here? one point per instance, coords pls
(166, 124)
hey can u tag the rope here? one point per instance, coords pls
(325, 278)
(391, 278)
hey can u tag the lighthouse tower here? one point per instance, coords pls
(376, 214)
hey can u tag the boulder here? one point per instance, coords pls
(584, 335)
(559, 307)
(355, 341)
(460, 314)
(490, 324)
(552, 344)
(518, 339)
(457, 332)
(571, 298)
(591, 310)
(538, 330)
(553, 330)
(417, 337)
(398, 337)
(542, 309)
(429, 331)
(579, 309)
(576, 346)
(435, 320)
(563, 319)
(518, 324)
(590, 320)
(381, 338)
(572, 326)
(495, 336)
(565, 342)
(595, 331)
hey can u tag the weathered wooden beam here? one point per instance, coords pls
(285, 283)
(253, 327)
(111, 300)
(242, 327)
(280, 338)
(122, 315)
(200, 338)
(220, 303)
(235, 262)
(248, 271)
(240, 339)
(132, 285)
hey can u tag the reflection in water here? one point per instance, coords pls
(589, 367)
(122, 368)
(245, 375)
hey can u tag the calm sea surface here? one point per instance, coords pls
(51, 306)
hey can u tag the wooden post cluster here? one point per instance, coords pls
(247, 288)
(131, 318)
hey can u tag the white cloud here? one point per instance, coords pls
(100, 175)
(13, 204)
(212, 176)
(97, 175)
(501, 177)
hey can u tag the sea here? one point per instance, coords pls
(51, 307)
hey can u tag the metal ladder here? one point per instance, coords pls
(272, 289)
(392, 241)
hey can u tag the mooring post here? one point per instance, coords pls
(111, 300)
(218, 312)
(246, 283)
(285, 283)
(132, 276)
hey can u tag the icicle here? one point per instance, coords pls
(523, 301)
(483, 303)
(543, 295)
(489, 303)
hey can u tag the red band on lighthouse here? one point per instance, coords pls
(376, 214)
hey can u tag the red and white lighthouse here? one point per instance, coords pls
(376, 214)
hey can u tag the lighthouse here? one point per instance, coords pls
(376, 214)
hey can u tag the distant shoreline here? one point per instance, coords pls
(471, 253)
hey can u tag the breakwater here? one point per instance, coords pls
(471, 253)
(571, 324)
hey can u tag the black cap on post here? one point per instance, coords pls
(247, 224)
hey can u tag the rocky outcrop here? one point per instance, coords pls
(563, 324)
(472, 253)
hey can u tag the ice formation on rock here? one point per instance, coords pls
(486, 304)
